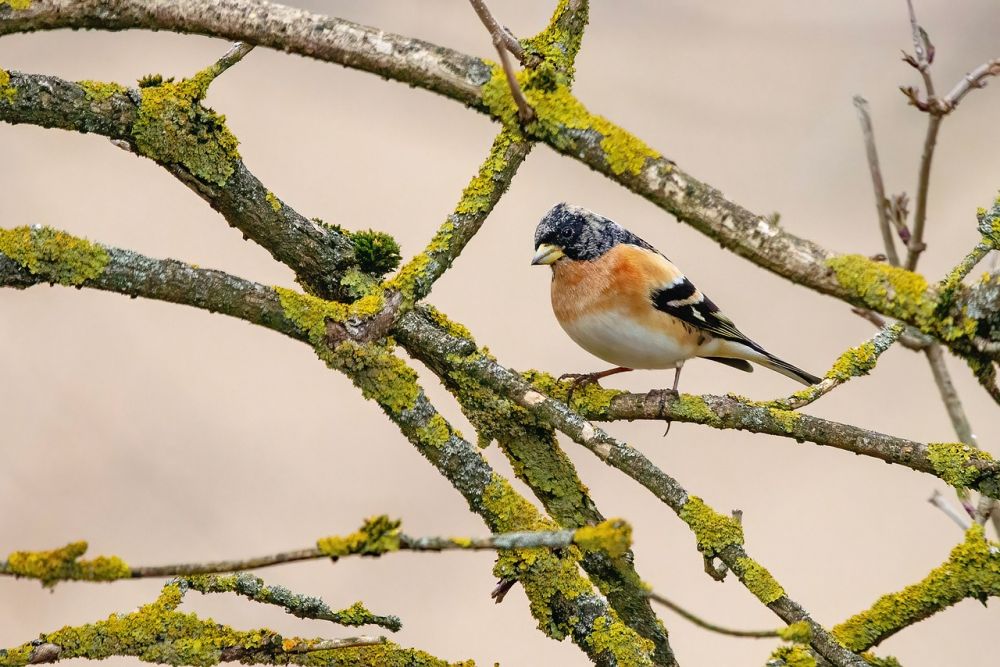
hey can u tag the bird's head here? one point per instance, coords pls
(573, 232)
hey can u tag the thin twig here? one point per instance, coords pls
(911, 338)
(506, 38)
(974, 79)
(504, 41)
(305, 646)
(712, 627)
(881, 203)
(960, 518)
(235, 54)
(552, 539)
(917, 245)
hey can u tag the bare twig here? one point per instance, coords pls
(881, 203)
(712, 627)
(974, 79)
(498, 31)
(503, 40)
(916, 244)
(960, 518)
(235, 54)
(911, 339)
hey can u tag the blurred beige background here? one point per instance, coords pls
(162, 433)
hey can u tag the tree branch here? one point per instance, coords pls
(711, 627)
(881, 201)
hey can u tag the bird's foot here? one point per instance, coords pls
(579, 380)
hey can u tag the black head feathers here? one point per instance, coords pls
(582, 234)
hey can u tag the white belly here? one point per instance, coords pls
(622, 341)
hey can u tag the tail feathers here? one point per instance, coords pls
(739, 364)
(786, 369)
(733, 351)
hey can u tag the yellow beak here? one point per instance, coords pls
(547, 253)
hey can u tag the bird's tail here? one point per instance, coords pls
(750, 351)
(768, 360)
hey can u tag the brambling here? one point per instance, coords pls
(623, 301)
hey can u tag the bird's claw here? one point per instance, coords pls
(579, 380)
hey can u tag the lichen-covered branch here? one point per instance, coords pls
(166, 122)
(971, 571)
(716, 535)
(159, 632)
(539, 461)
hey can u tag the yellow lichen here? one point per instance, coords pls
(971, 571)
(378, 535)
(99, 91)
(273, 200)
(378, 373)
(759, 581)
(63, 564)
(55, 256)
(713, 531)
(799, 632)
(952, 461)
(794, 656)
(854, 362)
(616, 639)
(173, 127)
(786, 419)
(7, 91)
(16, 4)
(613, 537)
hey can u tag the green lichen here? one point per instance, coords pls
(481, 192)
(561, 119)
(378, 373)
(759, 581)
(7, 91)
(16, 4)
(311, 313)
(449, 325)
(99, 91)
(875, 661)
(713, 531)
(854, 362)
(611, 636)
(378, 535)
(799, 632)
(55, 256)
(953, 462)
(971, 571)
(591, 400)
(435, 433)
(786, 419)
(694, 409)
(793, 656)
(64, 564)
(883, 287)
(376, 253)
(173, 127)
(273, 201)
(613, 537)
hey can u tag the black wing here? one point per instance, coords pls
(685, 302)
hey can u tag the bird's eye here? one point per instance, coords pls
(565, 233)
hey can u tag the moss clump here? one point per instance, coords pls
(7, 91)
(613, 537)
(16, 4)
(378, 535)
(953, 462)
(713, 531)
(971, 571)
(799, 632)
(173, 127)
(793, 656)
(56, 256)
(63, 564)
(759, 581)
(376, 253)
(99, 91)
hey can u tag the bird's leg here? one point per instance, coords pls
(673, 390)
(583, 379)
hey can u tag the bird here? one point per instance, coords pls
(624, 302)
